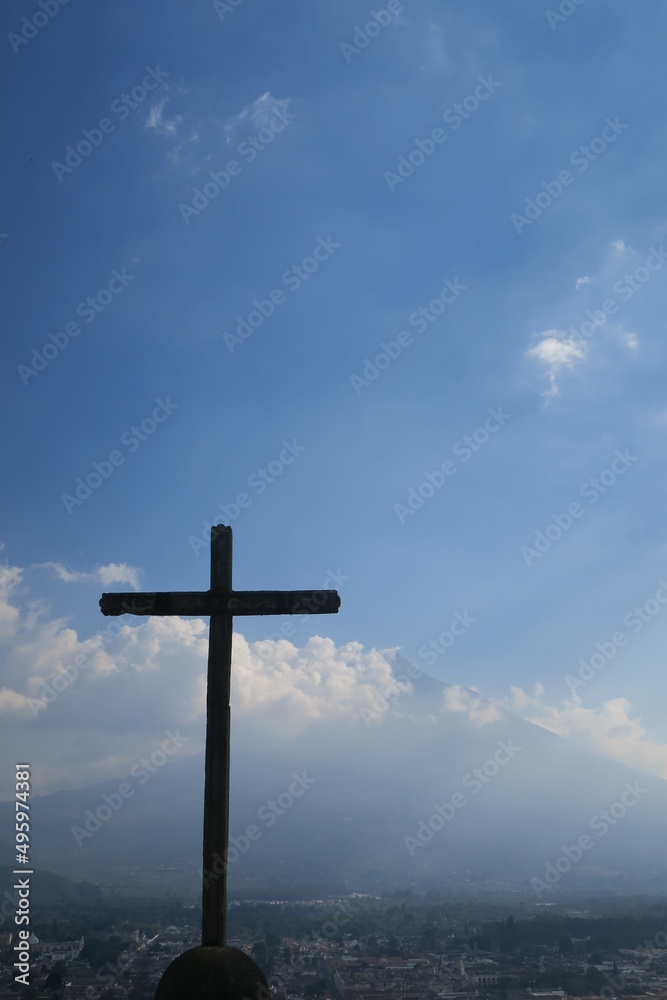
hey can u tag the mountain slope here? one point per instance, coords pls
(347, 795)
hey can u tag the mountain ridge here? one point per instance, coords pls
(413, 797)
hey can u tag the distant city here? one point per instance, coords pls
(402, 946)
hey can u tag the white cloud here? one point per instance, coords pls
(555, 351)
(619, 246)
(118, 573)
(116, 692)
(10, 578)
(199, 128)
(611, 729)
(153, 670)
(477, 709)
(152, 677)
(106, 575)
(87, 707)
(292, 688)
(174, 155)
(155, 115)
(64, 574)
(258, 114)
(631, 340)
(580, 282)
(13, 703)
(435, 48)
(158, 123)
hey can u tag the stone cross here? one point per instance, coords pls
(220, 603)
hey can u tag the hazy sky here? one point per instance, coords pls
(382, 288)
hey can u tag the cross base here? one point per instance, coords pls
(213, 972)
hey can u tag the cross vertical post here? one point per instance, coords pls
(216, 790)
(202, 973)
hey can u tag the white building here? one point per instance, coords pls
(55, 951)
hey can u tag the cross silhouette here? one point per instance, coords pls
(220, 603)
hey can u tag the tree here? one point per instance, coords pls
(29, 992)
(141, 988)
(428, 938)
(54, 983)
(261, 954)
(565, 945)
(316, 989)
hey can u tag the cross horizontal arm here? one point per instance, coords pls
(283, 602)
(236, 602)
(185, 602)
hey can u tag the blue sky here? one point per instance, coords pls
(538, 199)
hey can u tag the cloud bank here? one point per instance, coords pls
(84, 708)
